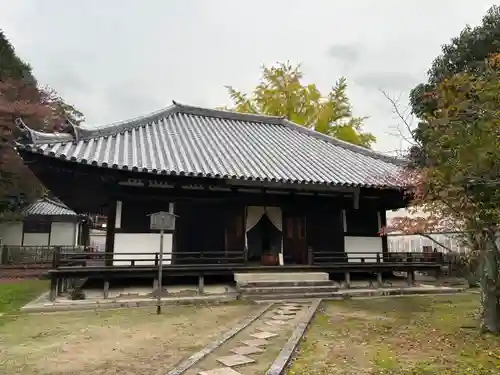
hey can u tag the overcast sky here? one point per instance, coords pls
(116, 59)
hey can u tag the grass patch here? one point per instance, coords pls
(420, 335)
(125, 341)
(15, 295)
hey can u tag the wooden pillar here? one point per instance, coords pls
(106, 289)
(385, 240)
(110, 232)
(60, 285)
(347, 279)
(56, 257)
(50, 231)
(53, 287)
(410, 274)
(438, 273)
(410, 277)
(4, 258)
(380, 281)
(201, 285)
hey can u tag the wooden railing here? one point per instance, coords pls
(89, 259)
(328, 257)
(32, 255)
(63, 258)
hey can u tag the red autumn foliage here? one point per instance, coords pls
(43, 110)
(424, 215)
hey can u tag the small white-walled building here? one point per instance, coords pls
(400, 242)
(45, 223)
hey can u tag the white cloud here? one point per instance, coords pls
(116, 59)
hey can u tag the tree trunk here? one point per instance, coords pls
(490, 288)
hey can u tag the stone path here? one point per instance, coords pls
(254, 349)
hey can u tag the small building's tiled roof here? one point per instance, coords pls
(192, 141)
(48, 207)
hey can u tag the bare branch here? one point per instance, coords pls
(403, 116)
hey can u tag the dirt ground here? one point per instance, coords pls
(422, 335)
(128, 341)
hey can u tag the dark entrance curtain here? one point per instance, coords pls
(264, 237)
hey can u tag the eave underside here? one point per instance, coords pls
(89, 189)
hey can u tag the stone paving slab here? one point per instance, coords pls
(276, 322)
(220, 371)
(290, 309)
(235, 360)
(271, 328)
(246, 350)
(256, 342)
(282, 317)
(292, 306)
(285, 313)
(263, 335)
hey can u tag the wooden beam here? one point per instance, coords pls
(110, 232)
(385, 239)
(356, 199)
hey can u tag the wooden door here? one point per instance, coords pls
(294, 239)
(235, 229)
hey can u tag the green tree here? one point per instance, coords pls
(41, 107)
(465, 53)
(459, 184)
(282, 93)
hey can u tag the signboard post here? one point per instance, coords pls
(162, 221)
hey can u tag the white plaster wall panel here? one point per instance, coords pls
(118, 216)
(77, 234)
(62, 234)
(11, 233)
(36, 239)
(368, 247)
(98, 241)
(145, 244)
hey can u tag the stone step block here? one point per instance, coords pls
(288, 289)
(245, 278)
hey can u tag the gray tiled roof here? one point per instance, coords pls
(192, 141)
(48, 207)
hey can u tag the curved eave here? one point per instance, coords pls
(35, 137)
(32, 149)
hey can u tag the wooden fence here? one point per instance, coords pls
(31, 255)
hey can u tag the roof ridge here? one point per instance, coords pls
(228, 114)
(125, 125)
(54, 202)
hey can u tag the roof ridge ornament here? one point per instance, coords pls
(74, 129)
(30, 136)
(25, 130)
